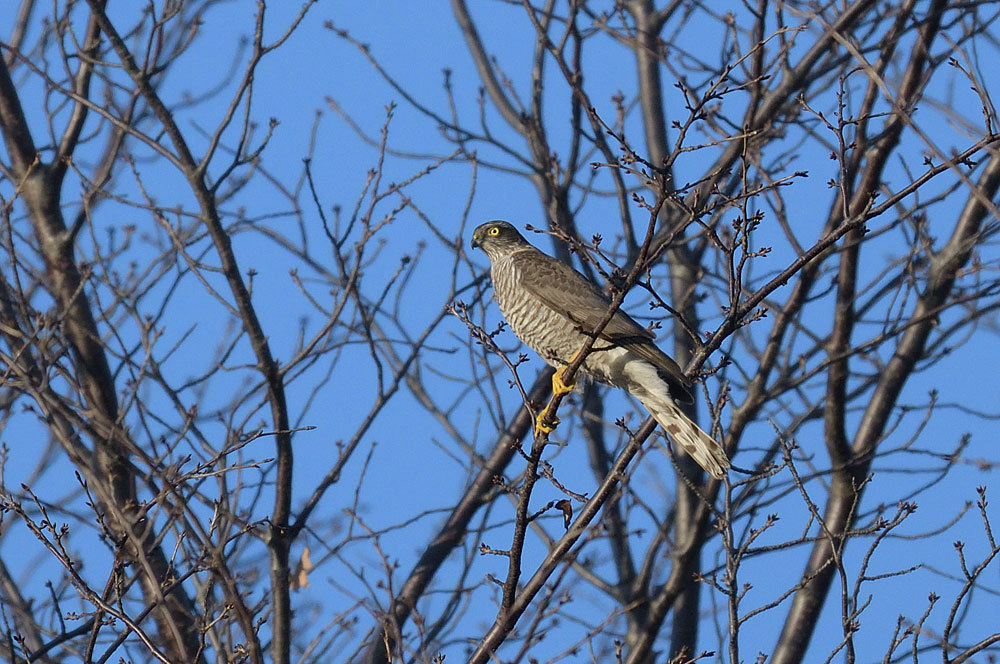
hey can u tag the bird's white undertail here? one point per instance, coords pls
(651, 390)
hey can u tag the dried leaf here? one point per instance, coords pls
(300, 578)
(567, 510)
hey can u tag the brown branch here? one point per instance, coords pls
(81, 86)
(109, 472)
(561, 549)
(280, 536)
(455, 529)
(847, 205)
(647, 50)
(494, 89)
(848, 485)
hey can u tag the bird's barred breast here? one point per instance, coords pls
(542, 329)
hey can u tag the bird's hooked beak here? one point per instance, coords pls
(475, 240)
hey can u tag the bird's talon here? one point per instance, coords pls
(558, 386)
(541, 427)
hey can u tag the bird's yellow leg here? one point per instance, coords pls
(558, 386)
(546, 422)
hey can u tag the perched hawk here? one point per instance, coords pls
(550, 307)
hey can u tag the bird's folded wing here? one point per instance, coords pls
(568, 293)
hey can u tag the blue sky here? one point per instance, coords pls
(414, 468)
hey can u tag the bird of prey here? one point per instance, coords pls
(554, 310)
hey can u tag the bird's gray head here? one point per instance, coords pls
(497, 239)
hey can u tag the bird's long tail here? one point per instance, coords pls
(701, 447)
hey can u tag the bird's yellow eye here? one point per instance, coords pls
(494, 231)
